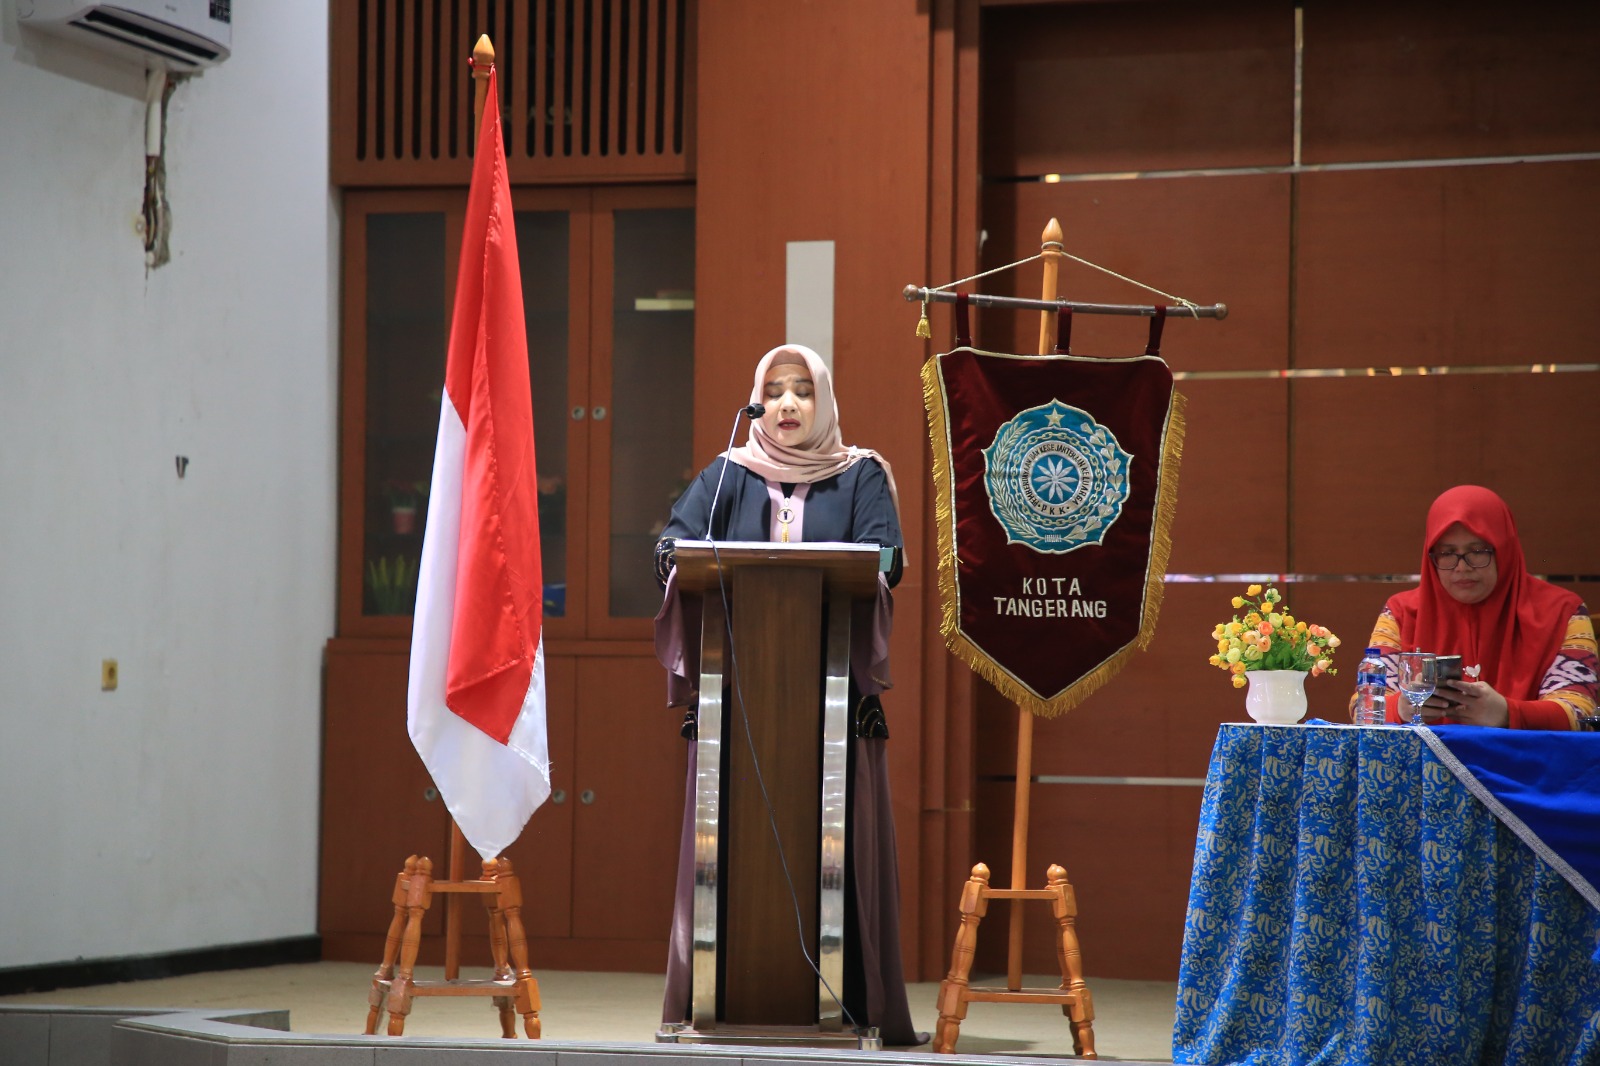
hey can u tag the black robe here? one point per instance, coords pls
(853, 507)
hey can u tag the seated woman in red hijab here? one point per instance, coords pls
(1527, 647)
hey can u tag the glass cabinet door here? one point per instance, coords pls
(543, 250)
(608, 300)
(406, 322)
(645, 375)
(652, 394)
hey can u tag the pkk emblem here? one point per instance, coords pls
(1056, 478)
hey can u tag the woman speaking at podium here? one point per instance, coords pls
(796, 480)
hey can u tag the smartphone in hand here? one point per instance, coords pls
(1449, 671)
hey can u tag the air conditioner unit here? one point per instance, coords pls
(180, 35)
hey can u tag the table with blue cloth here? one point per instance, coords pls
(1394, 895)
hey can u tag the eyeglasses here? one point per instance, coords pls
(1478, 558)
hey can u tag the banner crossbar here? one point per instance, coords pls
(914, 293)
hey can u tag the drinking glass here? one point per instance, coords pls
(1419, 676)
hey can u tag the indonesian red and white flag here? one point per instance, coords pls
(477, 696)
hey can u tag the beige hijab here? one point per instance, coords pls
(823, 453)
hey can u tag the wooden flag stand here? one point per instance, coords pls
(513, 986)
(1073, 994)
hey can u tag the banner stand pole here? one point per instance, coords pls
(1073, 995)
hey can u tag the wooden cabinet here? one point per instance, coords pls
(608, 278)
(608, 292)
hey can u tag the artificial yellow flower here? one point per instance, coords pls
(1268, 636)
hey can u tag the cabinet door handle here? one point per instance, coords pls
(599, 414)
(587, 795)
(578, 413)
(430, 794)
(558, 796)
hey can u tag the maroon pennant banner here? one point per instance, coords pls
(1055, 478)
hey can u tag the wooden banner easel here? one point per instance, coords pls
(1073, 994)
(512, 986)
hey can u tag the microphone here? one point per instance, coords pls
(752, 412)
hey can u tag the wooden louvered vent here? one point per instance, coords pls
(592, 90)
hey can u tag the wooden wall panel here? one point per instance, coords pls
(823, 150)
(595, 91)
(1461, 266)
(1100, 88)
(1370, 455)
(1128, 851)
(1386, 80)
(946, 823)
(1446, 265)
(1236, 462)
(1207, 239)
(1350, 609)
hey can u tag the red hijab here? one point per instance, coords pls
(1515, 633)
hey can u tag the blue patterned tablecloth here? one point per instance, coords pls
(1352, 902)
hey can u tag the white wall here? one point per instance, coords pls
(180, 810)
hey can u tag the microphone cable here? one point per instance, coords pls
(752, 412)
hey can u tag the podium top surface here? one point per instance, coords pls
(850, 568)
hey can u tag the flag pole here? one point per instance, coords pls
(482, 64)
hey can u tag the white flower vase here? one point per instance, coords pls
(1276, 697)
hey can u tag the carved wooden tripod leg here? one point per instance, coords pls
(953, 990)
(495, 905)
(1081, 1010)
(418, 895)
(391, 947)
(527, 987)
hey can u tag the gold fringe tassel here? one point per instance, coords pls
(1006, 683)
(943, 496)
(1166, 504)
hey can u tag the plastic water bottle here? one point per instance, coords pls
(1372, 689)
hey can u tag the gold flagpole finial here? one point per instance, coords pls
(482, 65)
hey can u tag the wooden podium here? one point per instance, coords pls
(789, 659)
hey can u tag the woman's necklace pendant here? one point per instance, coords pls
(785, 516)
